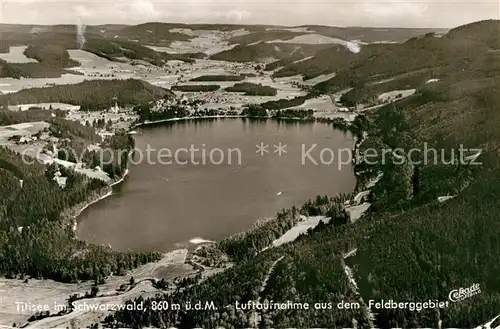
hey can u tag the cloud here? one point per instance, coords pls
(395, 9)
(144, 9)
(234, 15)
(84, 12)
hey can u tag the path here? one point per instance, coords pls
(354, 287)
(255, 317)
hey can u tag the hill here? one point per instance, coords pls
(152, 34)
(30, 70)
(91, 95)
(486, 32)
(325, 61)
(409, 246)
(364, 34)
(253, 89)
(36, 209)
(51, 63)
(416, 53)
(116, 41)
(50, 43)
(263, 36)
(370, 34)
(115, 49)
(196, 88)
(8, 70)
(267, 52)
(240, 77)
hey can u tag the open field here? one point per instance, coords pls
(10, 85)
(391, 95)
(301, 228)
(92, 67)
(221, 98)
(16, 55)
(22, 129)
(58, 106)
(321, 104)
(43, 292)
(324, 107)
(205, 41)
(319, 79)
(51, 293)
(95, 67)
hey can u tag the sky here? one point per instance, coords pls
(391, 13)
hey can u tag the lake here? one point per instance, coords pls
(207, 179)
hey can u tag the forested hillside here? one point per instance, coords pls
(36, 224)
(410, 246)
(253, 89)
(8, 70)
(267, 51)
(49, 46)
(369, 35)
(376, 62)
(113, 42)
(54, 56)
(91, 95)
(36, 237)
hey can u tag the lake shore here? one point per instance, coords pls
(74, 212)
(168, 262)
(145, 123)
(108, 193)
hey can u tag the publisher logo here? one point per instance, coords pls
(457, 295)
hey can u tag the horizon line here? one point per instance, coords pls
(258, 24)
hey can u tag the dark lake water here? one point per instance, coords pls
(170, 198)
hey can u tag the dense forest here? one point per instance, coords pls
(294, 114)
(253, 264)
(49, 47)
(410, 246)
(30, 70)
(51, 63)
(393, 261)
(419, 57)
(147, 113)
(75, 139)
(36, 237)
(262, 51)
(196, 88)
(284, 103)
(221, 77)
(253, 89)
(115, 49)
(49, 55)
(263, 109)
(8, 70)
(92, 95)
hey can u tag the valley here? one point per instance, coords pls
(407, 232)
